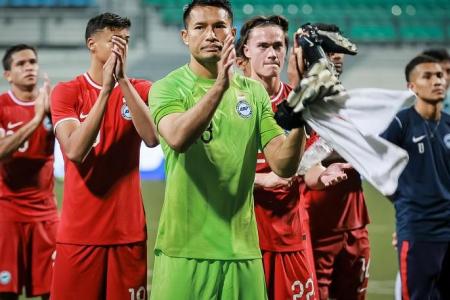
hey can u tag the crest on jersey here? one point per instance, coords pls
(5, 277)
(47, 123)
(447, 140)
(243, 108)
(125, 111)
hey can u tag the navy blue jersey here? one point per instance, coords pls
(422, 199)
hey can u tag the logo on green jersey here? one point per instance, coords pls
(243, 108)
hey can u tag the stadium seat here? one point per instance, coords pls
(365, 20)
(372, 33)
(422, 33)
(172, 16)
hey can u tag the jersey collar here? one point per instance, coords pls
(18, 101)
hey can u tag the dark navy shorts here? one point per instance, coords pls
(424, 270)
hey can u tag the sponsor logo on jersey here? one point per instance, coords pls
(243, 108)
(447, 140)
(5, 277)
(47, 123)
(13, 125)
(417, 139)
(83, 116)
(125, 111)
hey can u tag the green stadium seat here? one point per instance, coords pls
(422, 33)
(172, 16)
(364, 20)
(372, 33)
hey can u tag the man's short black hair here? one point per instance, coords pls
(418, 60)
(7, 58)
(260, 21)
(225, 4)
(439, 54)
(327, 27)
(106, 20)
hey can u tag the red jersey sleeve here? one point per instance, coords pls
(143, 88)
(63, 103)
(1, 116)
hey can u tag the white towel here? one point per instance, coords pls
(352, 127)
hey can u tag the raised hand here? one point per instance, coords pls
(108, 72)
(41, 104)
(296, 63)
(227, 59)
(47, 89)
(120, 48)
(334, 174)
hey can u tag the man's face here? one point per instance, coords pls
(446, 68)
(338, 60)
(101, 45)
(428, 82)
(266, 50)
(207, 28)
(24, 69)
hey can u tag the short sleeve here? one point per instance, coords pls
(394, 131)
(143, 88)
(163, 100)
(268, 127)
(63, 107)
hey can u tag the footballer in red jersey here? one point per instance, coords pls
(338, 219)
(28, 216)
(100, 119)
(288, 269)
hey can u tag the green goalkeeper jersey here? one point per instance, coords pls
(208, 207)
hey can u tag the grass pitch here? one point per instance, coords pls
(383, 265)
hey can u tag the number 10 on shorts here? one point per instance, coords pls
(137, 294)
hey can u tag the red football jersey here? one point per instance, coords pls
(26, 178)
(336, 208)
(102, 196)
(278, 213)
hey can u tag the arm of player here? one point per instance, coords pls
(270, 181)
(296, 64)
(318, 177)
(283, 153)
(181, 130)
(11, 143)
(76, 139)
(139, 111)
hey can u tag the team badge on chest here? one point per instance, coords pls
(447, 140)
(47, 123)
(243, 108)
(5, 277)
(125, 112)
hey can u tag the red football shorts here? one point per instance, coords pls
(288, 275)
(100, 272)
(342, 264)
(26, 257)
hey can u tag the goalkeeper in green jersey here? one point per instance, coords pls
(212, 123)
